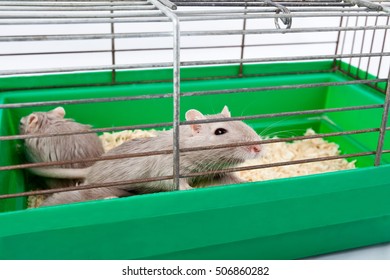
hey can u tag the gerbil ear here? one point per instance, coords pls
(59, 111)
(225, 112)
(193, 115)
(32, 120)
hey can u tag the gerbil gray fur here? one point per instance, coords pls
(58, 148)
(196, 135)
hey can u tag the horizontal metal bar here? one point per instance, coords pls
(282, 87)
(184, 94)
(279, 140)
(128, 182)
(82, 187)
(286, 114)
(186, 150)
(170, 48)
(71, 3)
(270, 9)
(34, 9)
(169, 124)
(186, 13)
(95, 36)
(208, 78)
(84, 101)
(276, 59)
(168, 4)
(250, 10)
(83, 21)
(87, 68)
(185, 17)
(107, 14)
(368, 4)
(99, 1)
(114, 19)
(188, 63)
(270, 16)
(256, 4)
(286, 2)
(86, 160)
(184, 33)
(172, 6)
(284, 31)
(26, 10)
(263, 2)
(96, 130)
(279, 164)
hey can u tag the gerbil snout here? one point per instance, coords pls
(255, 150)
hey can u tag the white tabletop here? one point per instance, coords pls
(377, 252)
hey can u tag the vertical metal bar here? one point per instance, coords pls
(371, 48)
(361, 48)
(382, 50)
(176, 89)
(382, 129)
(344, 39)
(352, 47)
(176, 102)
(113, 72)
(337, 44)
(240, 73)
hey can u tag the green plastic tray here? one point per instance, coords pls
(277, 219)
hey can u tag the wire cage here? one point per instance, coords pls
(124, 65)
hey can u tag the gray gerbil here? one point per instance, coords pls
(58, 148)
(191, 136)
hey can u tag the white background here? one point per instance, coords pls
(324, 45)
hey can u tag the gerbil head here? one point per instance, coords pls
(35, 121)
(228, 132)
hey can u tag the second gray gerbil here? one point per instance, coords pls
(196, 135)
(59, 148)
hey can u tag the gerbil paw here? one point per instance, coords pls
(110, 197)
(184, 187)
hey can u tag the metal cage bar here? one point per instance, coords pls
(178, 13)
(176, 88)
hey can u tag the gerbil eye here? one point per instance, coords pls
(220, 131)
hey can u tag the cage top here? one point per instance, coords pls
(41, 12)
(34, 27)
(126, 11)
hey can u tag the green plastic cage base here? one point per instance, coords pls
(280, 219)
(277, 219)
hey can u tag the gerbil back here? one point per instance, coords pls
(68, 147)
(59, 148)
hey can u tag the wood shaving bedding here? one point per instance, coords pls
(274, 152)
(34, 201)
(296, 150)
(111, 140)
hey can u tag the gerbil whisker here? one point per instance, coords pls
(286, 133)
(263, 133)
(243, 110)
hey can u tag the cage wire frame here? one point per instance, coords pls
(35, 12)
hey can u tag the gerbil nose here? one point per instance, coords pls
(255, 149)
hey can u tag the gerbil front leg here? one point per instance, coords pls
(84, 195)
(223, 179)
(231, 178)
(183, 185)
